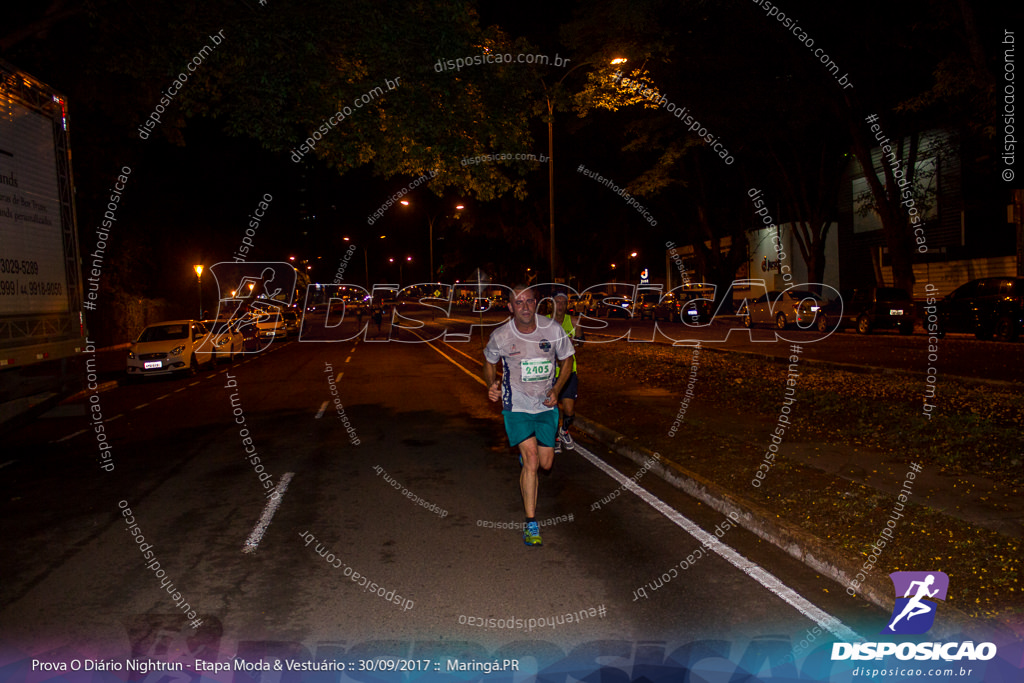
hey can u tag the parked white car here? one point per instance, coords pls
(271, 325)
(226, 341)
(169, 347)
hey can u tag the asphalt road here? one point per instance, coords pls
(75, 580)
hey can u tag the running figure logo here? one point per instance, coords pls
(251, 291)
(913, 614)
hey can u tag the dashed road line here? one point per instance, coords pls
(253, 541)
(320, 413)
(70, 436)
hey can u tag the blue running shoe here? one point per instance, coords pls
(531, 534)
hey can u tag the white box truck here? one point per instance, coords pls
(42, 326)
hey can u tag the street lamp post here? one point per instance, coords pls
(430, 227)
(551, 159)
(199, 281)
(408, 259)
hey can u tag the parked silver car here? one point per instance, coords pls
(782, 309)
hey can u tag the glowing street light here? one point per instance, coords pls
(199, 281)
(430, 223)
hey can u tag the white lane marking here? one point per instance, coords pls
(9, 462)
(452, 361)
(253, 541)
(710, 541)
(70, 436)
(320, 413)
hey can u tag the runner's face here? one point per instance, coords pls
(559, 307)
(524, 307)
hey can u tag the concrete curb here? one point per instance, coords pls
(799, 544)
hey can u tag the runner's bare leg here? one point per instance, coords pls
(528, 475)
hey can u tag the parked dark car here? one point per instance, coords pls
(667, 308)
(988, 307)
(646, 304)
(694, 307)
(618, 306)
(292, 323)
(878, 308)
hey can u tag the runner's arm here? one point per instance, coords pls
(564, 370)
(491, 378)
